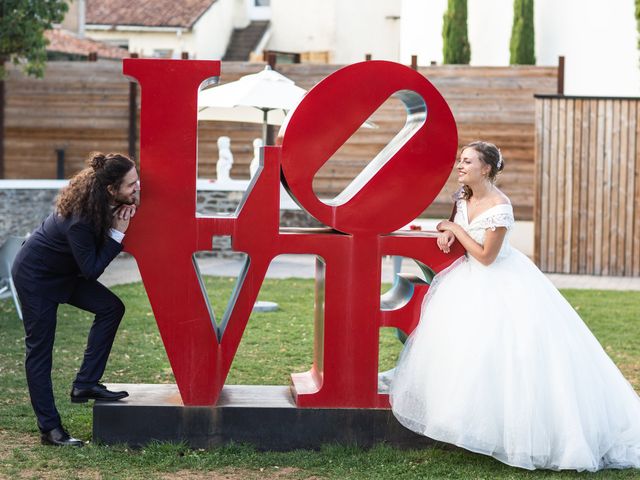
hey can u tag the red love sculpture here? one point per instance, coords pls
(396, 186)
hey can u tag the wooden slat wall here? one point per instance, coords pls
(84, 106)
(587, 210)
(78, 106)
(489, 103)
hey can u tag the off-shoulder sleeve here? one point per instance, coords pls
(498, 219)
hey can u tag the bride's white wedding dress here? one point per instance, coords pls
(502, 365)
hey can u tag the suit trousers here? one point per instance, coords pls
(40, 319)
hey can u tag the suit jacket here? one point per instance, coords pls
(58, 254)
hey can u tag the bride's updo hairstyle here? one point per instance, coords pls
(490, 155)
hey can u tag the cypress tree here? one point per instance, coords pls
(522, 45)
(455, 45)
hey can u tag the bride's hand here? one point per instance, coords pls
(445, 240)
(445, 226)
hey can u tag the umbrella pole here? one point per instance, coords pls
(264, 126)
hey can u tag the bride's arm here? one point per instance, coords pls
(485, 254)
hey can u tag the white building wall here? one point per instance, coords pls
(240, 14)
(347, 29)
(144, 43)
(599, 42)
(367, 26)
(597, 38)
(489, 29)
(262, 11)
(302, 25)
(212, 31)
(421, 30)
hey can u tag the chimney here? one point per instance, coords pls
(81, 17)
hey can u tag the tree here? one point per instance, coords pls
(22, 26)
(522, 45)
(455, 45)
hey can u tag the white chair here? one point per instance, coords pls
(8, 252)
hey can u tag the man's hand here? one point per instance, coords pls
(121, 217)
(445, 240)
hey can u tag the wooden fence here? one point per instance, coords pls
(80, 107)
(587, 213)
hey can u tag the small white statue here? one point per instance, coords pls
(255, 163)
(225, 159)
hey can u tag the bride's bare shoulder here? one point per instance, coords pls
(499, 198)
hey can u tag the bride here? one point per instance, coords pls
(500, 363)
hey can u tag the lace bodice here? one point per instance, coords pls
(497, 216)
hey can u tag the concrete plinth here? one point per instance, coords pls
(264, 416)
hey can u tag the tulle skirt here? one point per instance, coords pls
(502, 365)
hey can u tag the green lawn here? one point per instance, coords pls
(274, 345)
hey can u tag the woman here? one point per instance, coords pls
(500, 363)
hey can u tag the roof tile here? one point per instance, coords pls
(146, 13)
(68, 42)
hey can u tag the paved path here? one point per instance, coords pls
(125, 270)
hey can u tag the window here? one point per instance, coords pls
(162, 53)
(118, 42)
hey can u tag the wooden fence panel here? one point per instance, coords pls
(629, 202)
(83, 106)
(540, 234)
(587, 196)
(569, 191)
(79, 107)
(636, 196)
(573, 153)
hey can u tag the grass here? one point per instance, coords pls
(274, 346)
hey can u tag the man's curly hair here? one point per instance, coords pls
(87, 196)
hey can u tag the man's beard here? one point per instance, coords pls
(128, 200)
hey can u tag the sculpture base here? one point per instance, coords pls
(263, 416)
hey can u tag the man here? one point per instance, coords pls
(60, 263)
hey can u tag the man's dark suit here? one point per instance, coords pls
(59, 263)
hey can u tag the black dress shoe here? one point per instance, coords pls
(60, 438)
(98, 393)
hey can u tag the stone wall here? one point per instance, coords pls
(22, 210)
(25, 204)
(226, 202)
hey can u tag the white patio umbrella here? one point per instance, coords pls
(263, 97)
